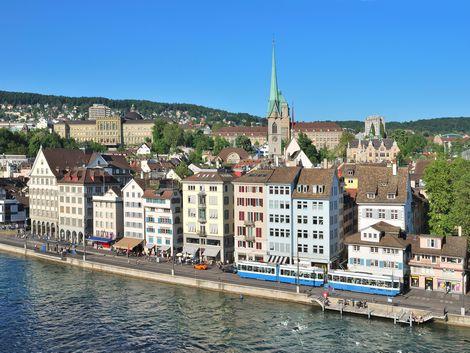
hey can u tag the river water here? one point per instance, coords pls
(50, 308)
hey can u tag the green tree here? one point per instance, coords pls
(340, 150)
(93, 146)
(307, 146)
(243, 142)
(372, 131)
(159, 145)
(382, 130)
(219, 144)
(182, 170)
(173, 136)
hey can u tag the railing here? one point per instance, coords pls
(249, 223)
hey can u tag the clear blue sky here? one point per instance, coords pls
(337, 59)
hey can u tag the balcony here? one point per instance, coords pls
(249, 238)
(249, 223)
(202, 233)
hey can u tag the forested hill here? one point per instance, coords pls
(432, 126)
(149, 109)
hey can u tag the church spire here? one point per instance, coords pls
(274, 104)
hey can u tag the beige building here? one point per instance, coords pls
(372, 151)
(258, 135)
(251, 240)
(112, 130)
(108, 215)
(76, 190)
(98, 111)
(322, 133)
(208, 216)
(49, 167)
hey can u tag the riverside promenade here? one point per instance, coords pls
(417, 303)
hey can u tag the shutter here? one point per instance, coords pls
(381, 264)
(350, 260)
(367, 263)
(400, 265)
(362, 262)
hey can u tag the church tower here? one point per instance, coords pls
(278, 115)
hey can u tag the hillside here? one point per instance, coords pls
(431, 126)
(35, 106)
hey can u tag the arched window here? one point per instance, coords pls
(274, 128)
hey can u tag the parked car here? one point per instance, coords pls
(229, 269)
(201, 267)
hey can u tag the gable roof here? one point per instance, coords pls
(83, 175)
(260, 131)
(316, 126)
(61, 160)
(260, 176)
(311, 177)
(210, 177)
(381, 182)
(284, 175)
(375, 143)
(386, 240)
(114, 160)
(451, 246)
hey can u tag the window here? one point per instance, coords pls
(381, 213)
(374, 249)
(394, 214)
(356, 247)
(431, 243)
(391, 196)
(368, 212)
(370, 195)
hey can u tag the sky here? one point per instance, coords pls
(336, 59)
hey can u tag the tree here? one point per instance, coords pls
(243, 142)
(382, 130)
(340, 150)
(94, 146)
(307, 146)
(173, 136)
(372, 131)
(182, 170)
(219, 144)
(447, 185)
(159, 145)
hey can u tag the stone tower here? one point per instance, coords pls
(373, 125)
(278, 115)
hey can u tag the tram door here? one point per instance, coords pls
(428, 283)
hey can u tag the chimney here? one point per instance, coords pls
(325, 163)
(394, 167)
(459, 231)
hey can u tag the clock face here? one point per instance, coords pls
(274, 139)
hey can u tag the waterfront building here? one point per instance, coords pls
(50, 166)
(380, 249)
(208, 213)
(317, 218)
(163, 220)
(372, 151)
(278, 191)
(11, 209)
(76, 190)
(384, 194)
(250, 216)
(417, 175)
(374, 125)
(108, 215)
(439, 263)
(98, 111)
(133, 212)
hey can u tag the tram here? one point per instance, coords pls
(313, 277)
(364, 282)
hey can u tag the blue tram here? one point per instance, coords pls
(364, 282)
(313, 277)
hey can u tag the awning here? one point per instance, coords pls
(211, 252)
(164, 247)
(100, 240)
(150, 246)
(128, 243)
(281, 260)
(190, 248)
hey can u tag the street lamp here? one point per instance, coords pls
(84, 247)
(298, 270)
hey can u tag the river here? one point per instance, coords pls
(51, 308)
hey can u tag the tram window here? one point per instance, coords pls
(249, 268)
(336, 278)
(380, 283)
(329, 277)
(349, 279)
(357, 280)
(388, 284)
(320, 275)
(342, 279)
(364, 281)
(372, 282)
(396, 285)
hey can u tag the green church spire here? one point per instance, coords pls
(274, 103)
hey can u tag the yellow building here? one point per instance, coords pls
(132, 130)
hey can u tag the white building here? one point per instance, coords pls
(384, 194)
(163, 220)
(295, 156)
(11, 211)
(380, 249)
(132, 194)
(317, 217)
(107, 210)
(143, 150)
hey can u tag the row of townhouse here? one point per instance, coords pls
(279, 215)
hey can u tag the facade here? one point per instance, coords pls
(373, 125)
(372, 151)
(439, 263)
(384, 194)
(295, 157)
(322, 133)
(208, 214)
(232, 155)
(132, 194)
(114, 164)
(163, 220)
(380, 249)
(98, 111)
(11, 210)
(107, 210)
(317, 218)
(250, 217)
(76, 190)
(49, 167)
(257, 134)
(279, 223)
(110, 130)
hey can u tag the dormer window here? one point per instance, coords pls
(350, 172)
(320, 189)
(304, 188)
(431, 243)
(370, 195)
(391, 196)
(299, 188)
